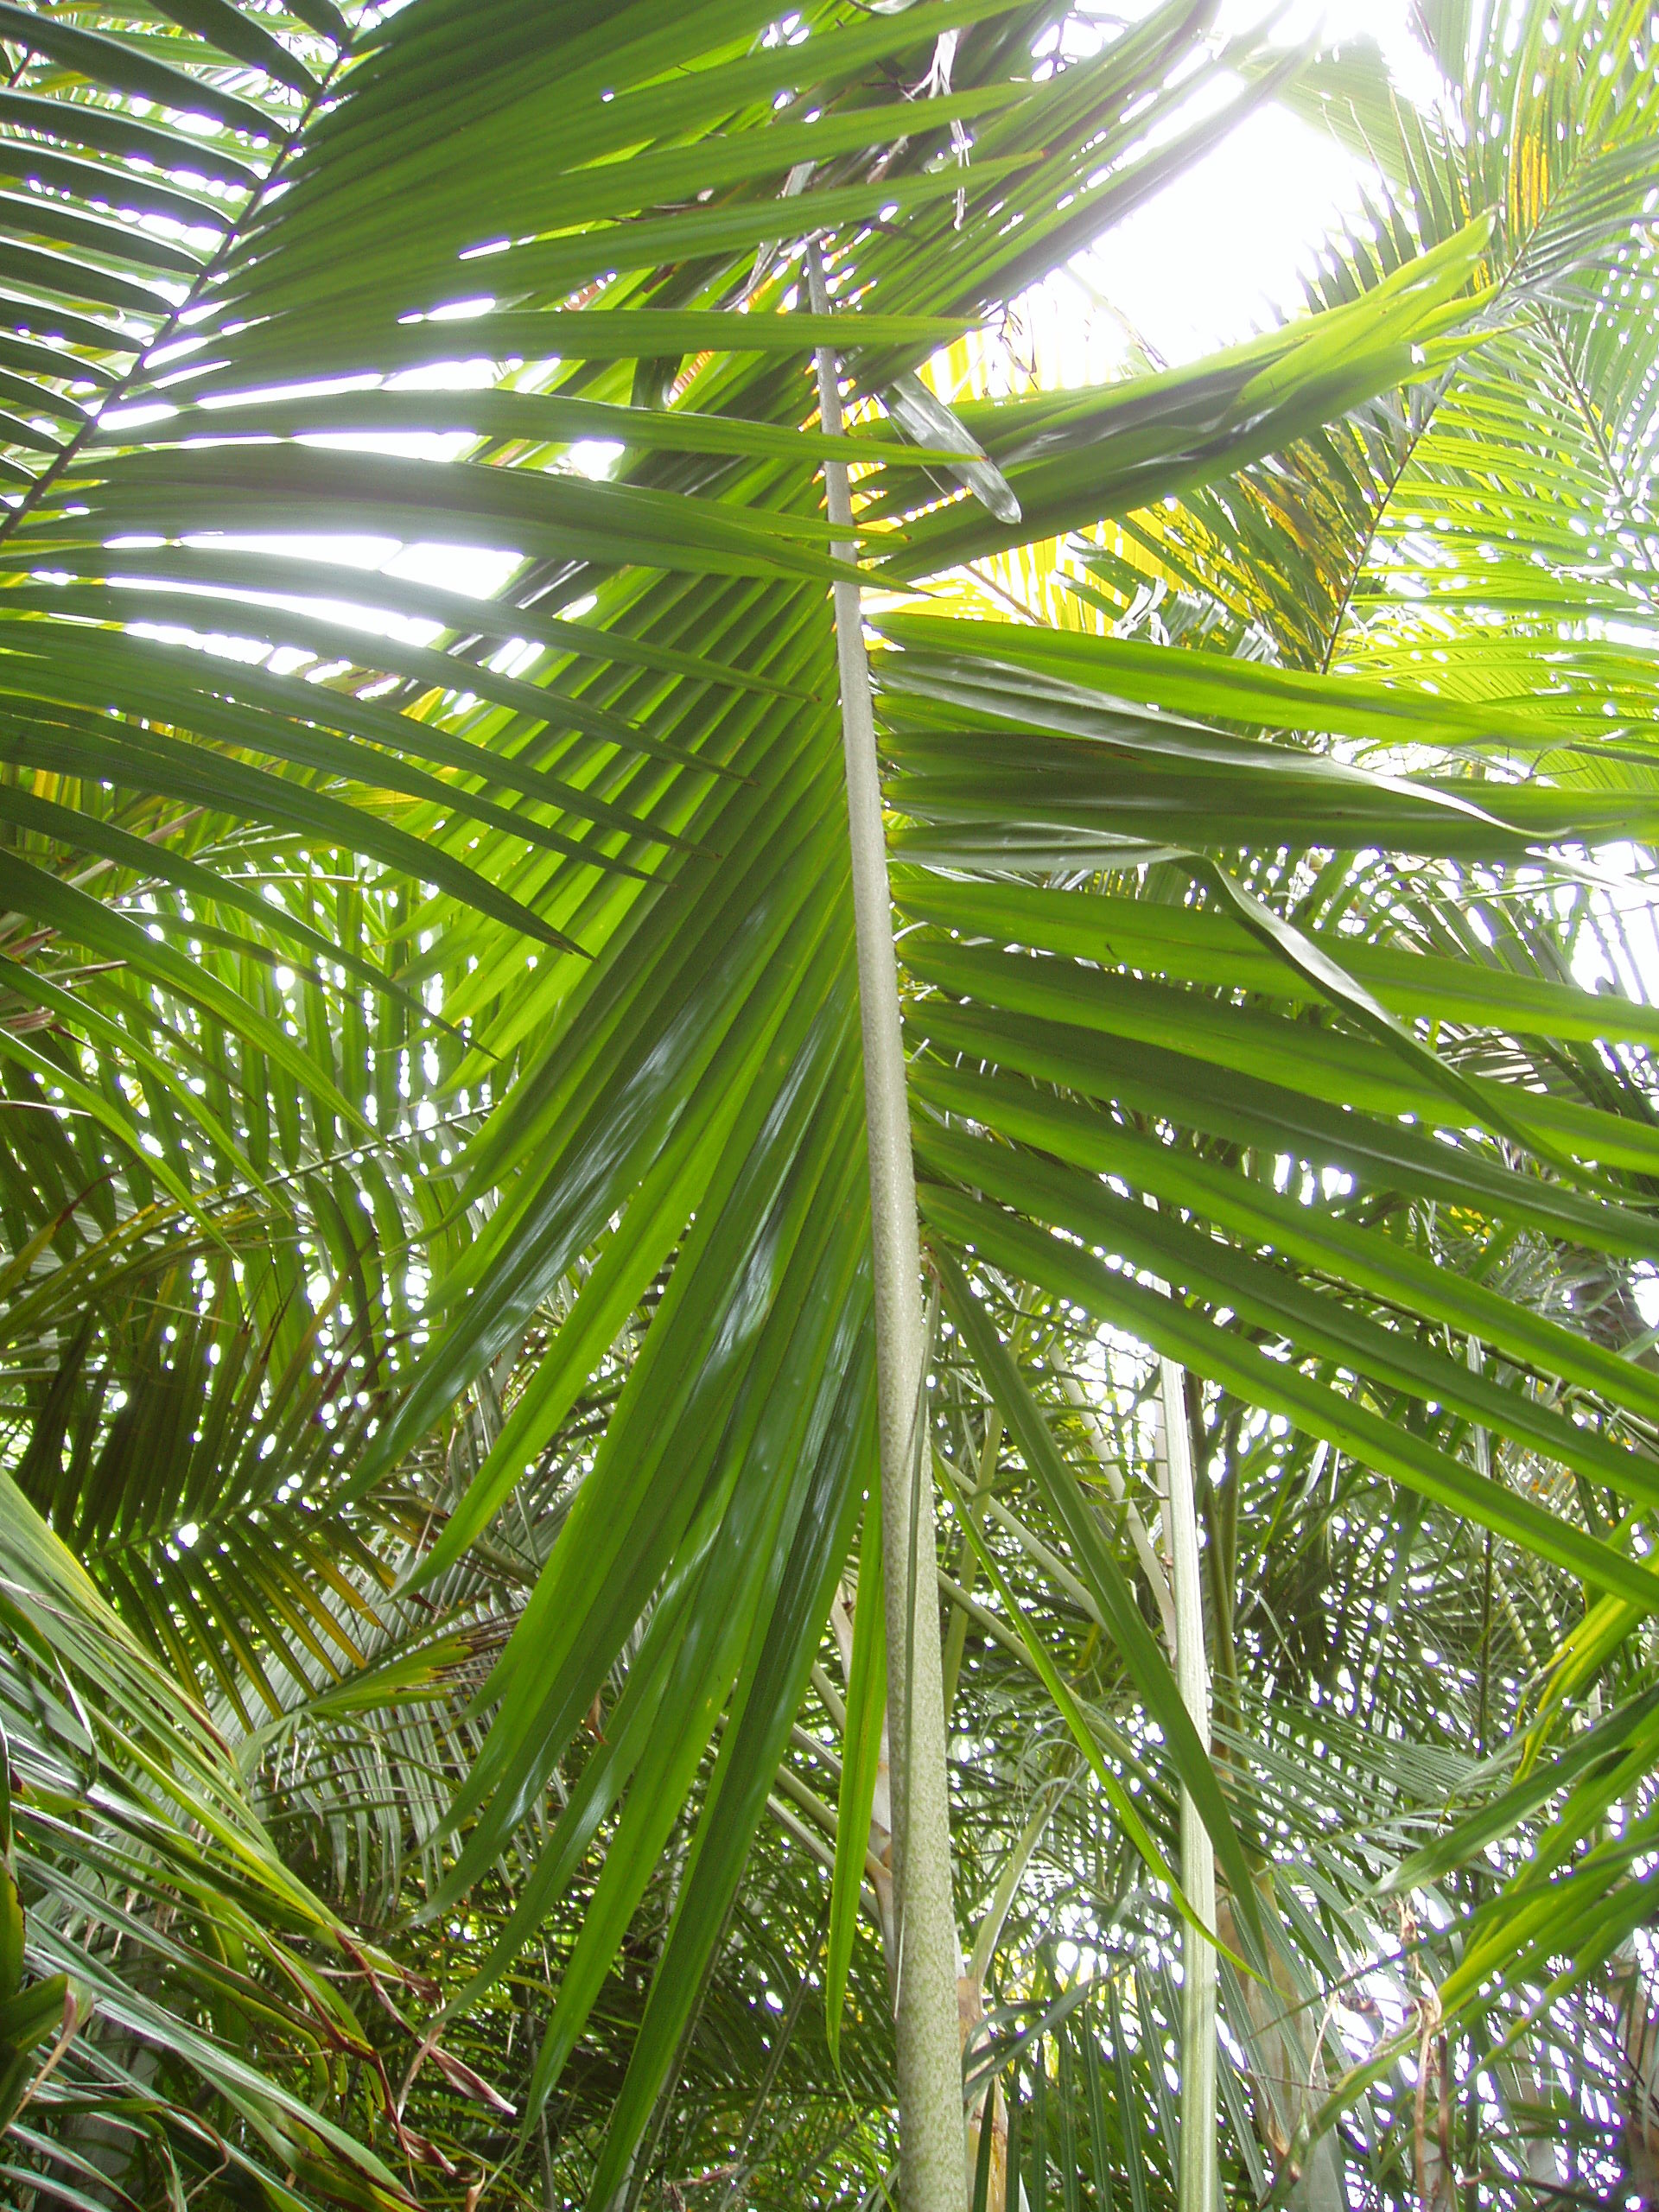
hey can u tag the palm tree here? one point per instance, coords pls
(443, 1344)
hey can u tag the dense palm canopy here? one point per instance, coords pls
(443, 1706)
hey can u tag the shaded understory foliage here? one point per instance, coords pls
(442, 1703)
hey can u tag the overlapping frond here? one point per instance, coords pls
(433, 1164)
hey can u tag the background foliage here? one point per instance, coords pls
(438, 1367)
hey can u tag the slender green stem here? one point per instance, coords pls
(1197, 2151)
(933, 2143)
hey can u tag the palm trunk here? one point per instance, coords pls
(931, 2142)
(1197, 2151)
(990, 2108)
(1287, 2066)
(1289, 2079)
(1638, 2098)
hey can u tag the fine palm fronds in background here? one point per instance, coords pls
(439, 1352)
